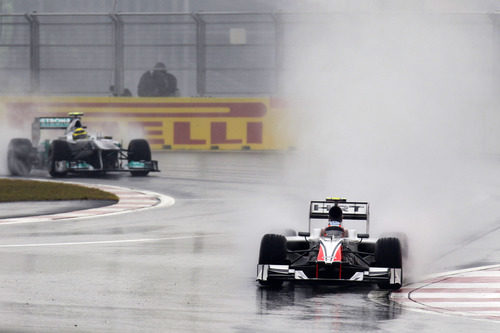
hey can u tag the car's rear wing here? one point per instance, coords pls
(42, 123)
(351, 210)
(53, 122)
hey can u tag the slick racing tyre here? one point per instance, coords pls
(20, 157)
(59, 151)
(139, 150)
(388, 254)
(403, 240)
(272, 251)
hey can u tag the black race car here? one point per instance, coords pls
(331, 255)
(76, 151)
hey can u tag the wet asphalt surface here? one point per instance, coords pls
(191, 267)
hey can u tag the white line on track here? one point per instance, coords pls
(118, 241)
(471, 285)
(443, 295)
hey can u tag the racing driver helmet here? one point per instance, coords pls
(335, 216)
(334, 228)
(79, 133)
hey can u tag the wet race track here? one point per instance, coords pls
(191, 267)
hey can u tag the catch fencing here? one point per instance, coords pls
(223, 54)
(211, 54)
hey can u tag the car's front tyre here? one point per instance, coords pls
(139, 150)
(272, 252)
(59, 151)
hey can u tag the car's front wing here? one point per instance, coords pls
(371, 275)
(81, 166)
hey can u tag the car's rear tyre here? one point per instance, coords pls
(272, 252)
(367, 247)
(20, 157)
(403, 240)
(59, 151)
(139, 150)
(388, 254)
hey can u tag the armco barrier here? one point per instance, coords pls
(167, 123)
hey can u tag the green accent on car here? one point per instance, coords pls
(82, 165)
(136, 165)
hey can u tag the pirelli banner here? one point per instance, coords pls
(167, 123)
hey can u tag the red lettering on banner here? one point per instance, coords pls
(218, 134)
(254, 132)
(156, 141)
(156, 121)
(182, 135)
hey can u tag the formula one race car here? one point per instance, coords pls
(76, 151)
(331, 255)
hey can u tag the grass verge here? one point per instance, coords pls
(31, 190)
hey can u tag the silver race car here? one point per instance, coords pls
(332, 254)
(76, 151)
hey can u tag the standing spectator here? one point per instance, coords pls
(157, 83)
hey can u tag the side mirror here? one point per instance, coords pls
(363, 235)
(304, 233)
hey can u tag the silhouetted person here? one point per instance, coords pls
(157, 83)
